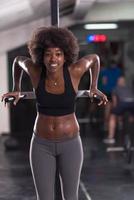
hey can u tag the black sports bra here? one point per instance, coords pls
(56, 104)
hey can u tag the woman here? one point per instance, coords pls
(55, 74)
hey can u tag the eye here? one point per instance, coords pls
(59, 54)
(47, 54)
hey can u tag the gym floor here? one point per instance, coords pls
(105, 175)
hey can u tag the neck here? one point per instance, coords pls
(54, 76)
(54, 79)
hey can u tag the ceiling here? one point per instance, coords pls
(17, 12)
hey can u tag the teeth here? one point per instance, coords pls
(53, 65)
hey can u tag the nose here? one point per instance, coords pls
(53, 58)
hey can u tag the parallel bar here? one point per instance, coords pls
(55, 13)
(31, 95)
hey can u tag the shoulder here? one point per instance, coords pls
(23, 60)
(85, 62)
(27, 64)
(82, 65)
(90, 58)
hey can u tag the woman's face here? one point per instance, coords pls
(53, 59)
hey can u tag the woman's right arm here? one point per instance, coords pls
(20, 64)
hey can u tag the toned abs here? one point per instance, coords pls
(59, 127)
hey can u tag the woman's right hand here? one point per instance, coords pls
(12, 97)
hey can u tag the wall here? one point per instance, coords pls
(4, 112)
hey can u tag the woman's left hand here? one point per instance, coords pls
(95, 93)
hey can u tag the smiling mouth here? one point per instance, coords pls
(53, 65)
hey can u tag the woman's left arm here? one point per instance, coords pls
(92, 63)
(94, 68)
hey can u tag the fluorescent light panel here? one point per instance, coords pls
(101, 26)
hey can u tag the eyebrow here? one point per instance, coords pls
(57, 50)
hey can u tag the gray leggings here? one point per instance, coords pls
(45, 156)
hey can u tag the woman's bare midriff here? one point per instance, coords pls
(56, 127)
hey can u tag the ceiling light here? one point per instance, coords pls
(101, 26)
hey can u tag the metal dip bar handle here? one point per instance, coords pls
(31, 95)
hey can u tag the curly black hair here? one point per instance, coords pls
(45, 37)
